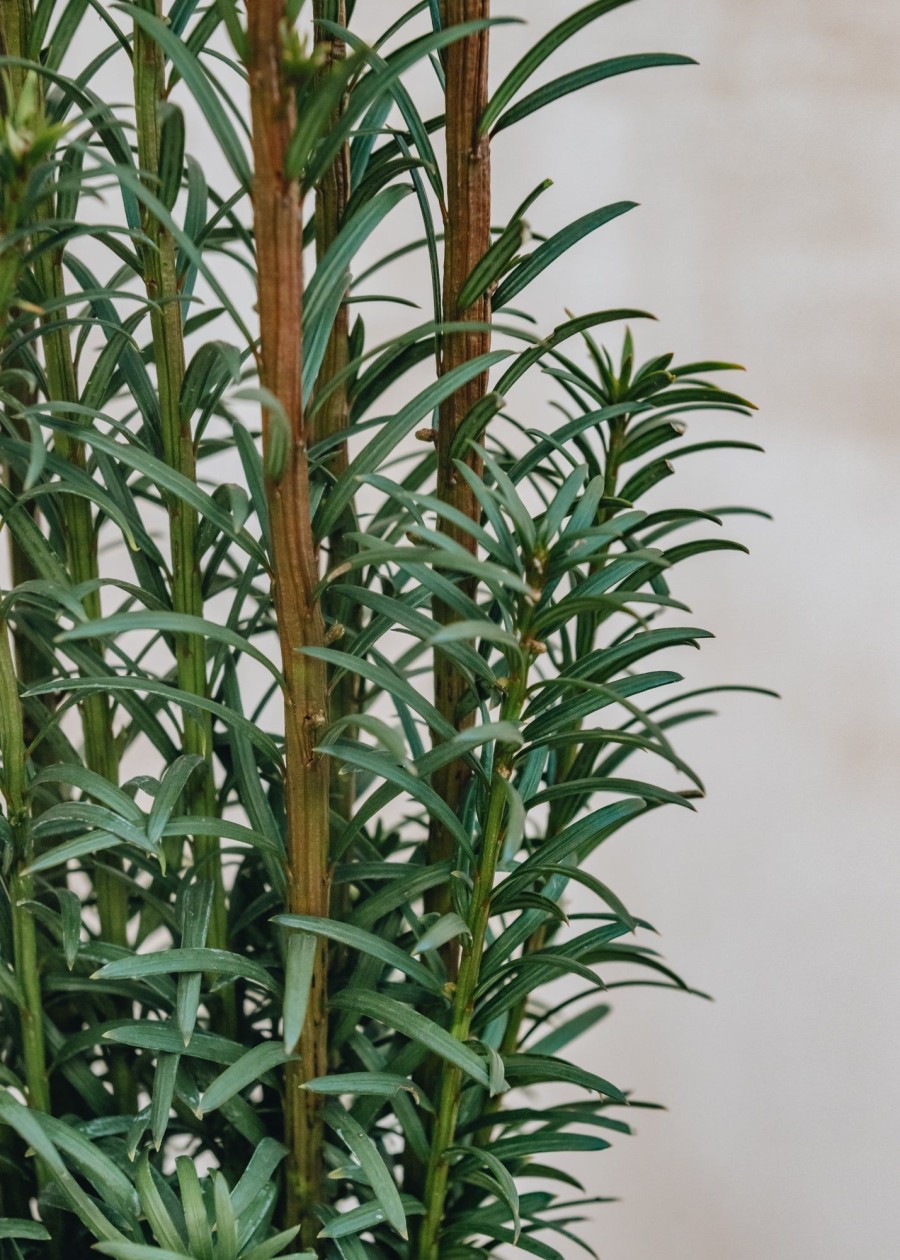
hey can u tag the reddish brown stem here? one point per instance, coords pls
(468, 237)
(332, 416)
(277, 205)
(332, 195)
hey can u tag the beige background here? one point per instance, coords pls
(768, 233)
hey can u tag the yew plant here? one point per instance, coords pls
(325, 654)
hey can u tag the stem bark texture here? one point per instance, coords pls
(277, 204)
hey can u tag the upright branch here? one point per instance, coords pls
(157, 125)
(62, 385)
(449, 1091)
(80, 526)
(467, 238)
(15, 23)
(14, 789)
(13, 784)
(332, 195)
(14, 16)
(278, 225)
(331, 415)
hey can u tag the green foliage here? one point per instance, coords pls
(154, 980)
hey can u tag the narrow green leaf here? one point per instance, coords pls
(329, 282)
(415, 1026)
(362, 1084)
(115, 683)
(344, 1225)
(165, 1231)
(163, 1093)
(139, 1251)
(198, 84)
(553, 851)
(578, 79)
(536, 56)
(70, 914)
(366, 943)
(32, 1130)
(247, 1071)
(174, 961)
(273, 1247)
(171, 786)
(506, 1185)
(531, 1069)
(164, 1038)
(552, 1042)
(226, 1224)
(257, 1175)
(196, 1218)
(365, 1151)
(448, 927)
(393, 431)
(13, 1228)
(196, 909)
(551, 249)
(302, 948)
(103, 1173)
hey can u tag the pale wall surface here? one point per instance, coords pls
(769, 232)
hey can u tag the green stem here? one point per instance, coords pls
(12, 748)
(12, 30)
(81, 539)
(15, 24)
(167, 327)
(28, 976)
(96, 712)
(81, 542)
(584, 637)
(478, 919)
(13, 784)
(15, 728)
(15, 21)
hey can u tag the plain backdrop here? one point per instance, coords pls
(768, 178)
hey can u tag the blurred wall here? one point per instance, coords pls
(769, 233)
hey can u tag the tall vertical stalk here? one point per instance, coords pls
(278, 226)
(81, 539)
(13, 28)
(31, 1015)
(467, 239)
(332, 195)
(15, 730)
(484, 873)
(167, 328)
(585, 629)
(332, 416)
(15, 23)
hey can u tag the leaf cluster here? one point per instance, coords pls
(153, 982)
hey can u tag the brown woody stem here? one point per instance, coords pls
(467, 239)
(277, 205)
(332, 415)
